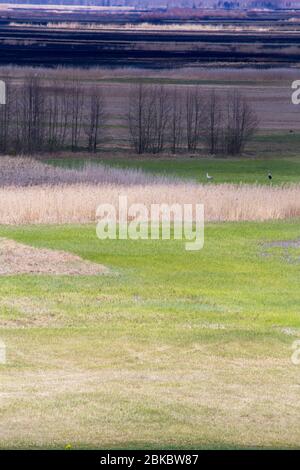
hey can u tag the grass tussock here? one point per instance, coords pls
(34, 193)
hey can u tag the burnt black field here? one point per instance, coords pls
(42, 46)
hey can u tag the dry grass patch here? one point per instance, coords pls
(27, 172)
(78, 203)
(151, 396)
(16, 258)
(34, 193)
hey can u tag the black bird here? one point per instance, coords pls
(270, 176)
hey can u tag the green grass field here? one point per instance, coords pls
(239, 170)
(170, 350)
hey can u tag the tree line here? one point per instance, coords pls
(72, 116)
(51, 118)
(178, 120)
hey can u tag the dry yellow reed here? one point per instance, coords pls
(77, 203)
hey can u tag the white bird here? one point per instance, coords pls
(208, 177)
(270, 176)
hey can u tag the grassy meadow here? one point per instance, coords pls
(168, 350)
(162, 348)
(224, 170)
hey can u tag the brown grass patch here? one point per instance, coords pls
(16, 258)
(78, 203)
(34, 193)
(21, 172)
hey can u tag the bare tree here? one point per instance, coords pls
(16, 136)
(32, 114)
(176, 121)
(95, 118)
(57, 116)
(194, 115)
(159, 118)
(212, 126)
(139, 118)
(241, 124)
(148, 118)
(76, 113)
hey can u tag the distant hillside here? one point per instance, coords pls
(166, 4)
